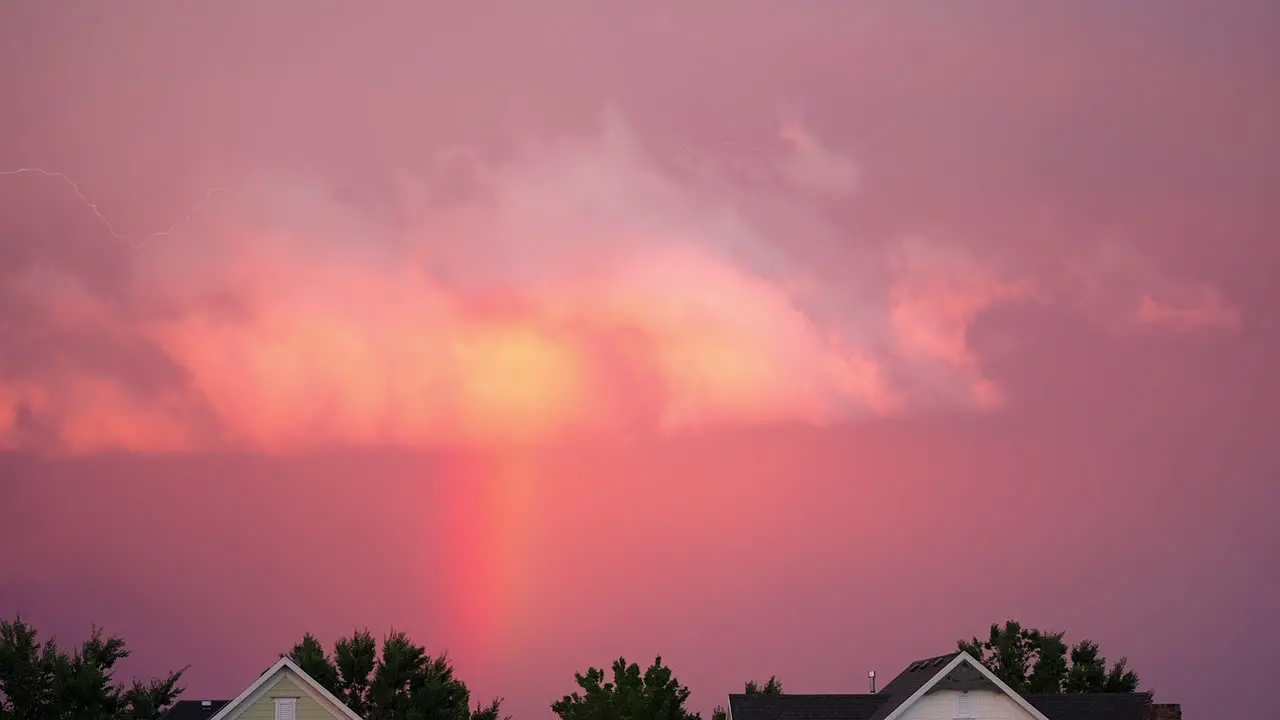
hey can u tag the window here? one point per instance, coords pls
(963, 707)
(286, 708)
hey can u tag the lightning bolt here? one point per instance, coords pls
(93, 207)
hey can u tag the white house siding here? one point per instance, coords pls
(984, 704)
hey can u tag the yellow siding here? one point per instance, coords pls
(286, 687)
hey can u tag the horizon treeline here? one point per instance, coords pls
(398, 679)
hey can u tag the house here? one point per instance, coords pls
(283, 692)
(950, 687)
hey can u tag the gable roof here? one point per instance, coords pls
(284, 666)
(193, 709)
(954, 671)
(922, 675)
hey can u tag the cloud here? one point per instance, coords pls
(1202, 310)
(579, 287)
(1123, 290)
(811, 166)
(936, 295)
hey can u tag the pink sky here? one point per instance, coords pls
(798, 341)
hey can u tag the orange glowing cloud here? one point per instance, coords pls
(579, 288)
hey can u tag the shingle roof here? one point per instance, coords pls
(909, 681)
(840, 707)
(1092, 706)
(193, 709)
(804, 707)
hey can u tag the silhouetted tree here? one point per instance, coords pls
(1035, 661)
(1089, 672)
(404, 683)
(773, 687)
(38, 681)
(655, 695)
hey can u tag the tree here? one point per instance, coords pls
(38, 681)
(773, 687)
(1089, 672)
(1035, 661)
(655, 695)
(404, 683)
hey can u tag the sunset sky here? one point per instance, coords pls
(795, 340)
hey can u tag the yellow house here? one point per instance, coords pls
(285, 693)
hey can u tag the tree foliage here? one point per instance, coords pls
(772, 687)
(39, 681)
(1035, 661)
(654, 695)
(403, 683)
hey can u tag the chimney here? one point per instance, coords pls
(1164, 711)
(872, 677)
